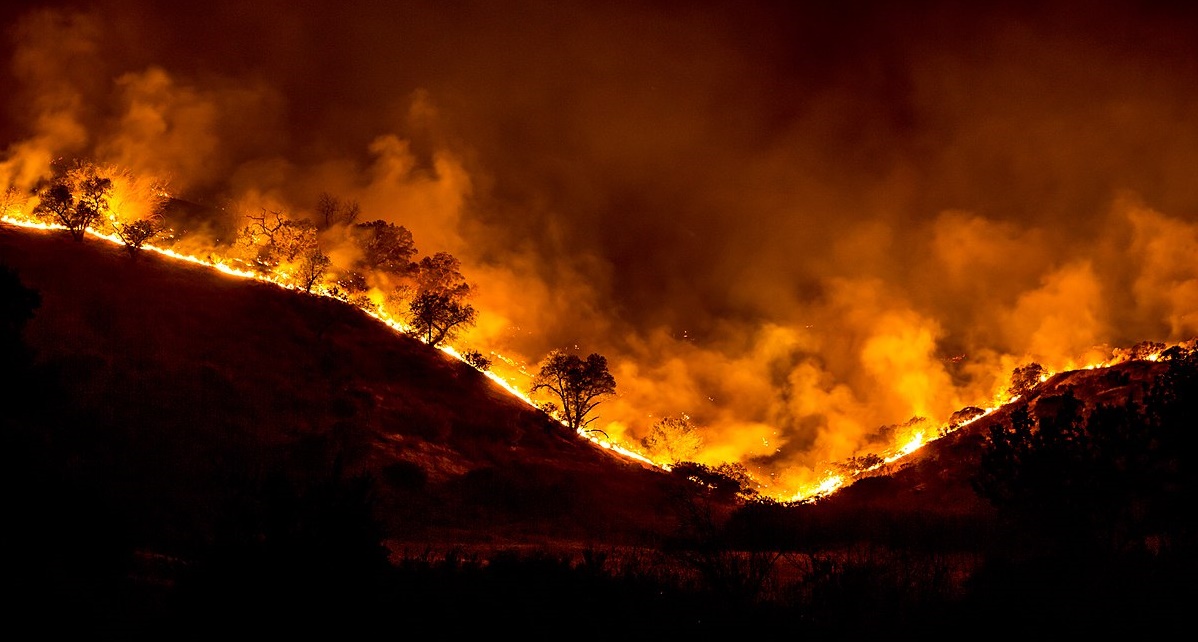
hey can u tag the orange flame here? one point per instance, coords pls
(391, 322)
(828, 484)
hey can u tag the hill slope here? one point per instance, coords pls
(936, 481)
(177, 384)
(187, 451)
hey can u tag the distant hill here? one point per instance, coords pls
(936, 479)
(929, 498)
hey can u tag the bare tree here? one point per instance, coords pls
(579, 384)
(276, 238)
(313, 265)
(333, 211)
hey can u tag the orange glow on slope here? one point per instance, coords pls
(832, 480)
(392, 323)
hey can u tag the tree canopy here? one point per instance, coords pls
(579, 384)
(76, 200)
(386, 247)
(439, 308)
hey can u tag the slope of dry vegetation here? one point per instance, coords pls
(225, 373)
(188, 452)
(168, 414)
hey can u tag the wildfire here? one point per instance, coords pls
(397, 325)
(834, 482)
(828, 484)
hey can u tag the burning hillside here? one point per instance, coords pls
(188, 383)
(800, 235)
(213, 437)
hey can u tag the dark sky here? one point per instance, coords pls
(793, 221)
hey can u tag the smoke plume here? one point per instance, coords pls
(810, 228)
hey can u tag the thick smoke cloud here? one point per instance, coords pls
(809, 228)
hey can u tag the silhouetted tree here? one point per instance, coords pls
(434, 316)
(1036, 469)
(386, 247)
(56, 203)
(137, 233)
(438, 309)
(441, 272)
(1164, 455)
(1024, 378)
(76, 200)
(333, 211)
(313, 265)
(579, 384)
(726, 480)
(92, 202)
(276, 239)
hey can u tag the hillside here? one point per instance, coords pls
(189, 451)
(187, 382)
(937, 479)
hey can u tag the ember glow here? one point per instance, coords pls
(815, 230)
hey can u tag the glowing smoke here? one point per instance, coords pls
(801, 226)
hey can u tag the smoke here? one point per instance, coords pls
(53, 66)
(812, 229)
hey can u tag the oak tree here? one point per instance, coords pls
(438, 309)
(76, 201)
(137, 233)
(579, 384)
(386, 247)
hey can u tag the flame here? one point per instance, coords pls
(829, 483)
(280, 280)
(917, 440)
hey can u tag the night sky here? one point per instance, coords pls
(795, 222)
